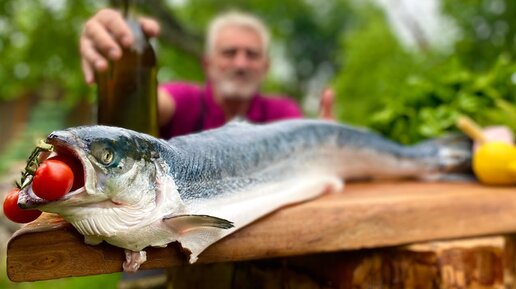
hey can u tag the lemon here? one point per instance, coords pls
(494, 163)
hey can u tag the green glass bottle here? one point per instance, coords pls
(127, 91)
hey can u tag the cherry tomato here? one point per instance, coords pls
(76, 166)
(15, 213)
(53, 179)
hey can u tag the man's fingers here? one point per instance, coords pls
(87, 71)
(101, 39)
(150, 27)
(91, 56)
(116, 26)
(91, 60)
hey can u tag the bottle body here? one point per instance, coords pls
(127, 91)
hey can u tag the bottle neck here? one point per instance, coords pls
(125, 8)
(140, 40)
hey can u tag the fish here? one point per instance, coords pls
(141, 191)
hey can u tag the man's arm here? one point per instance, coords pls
(166, 107)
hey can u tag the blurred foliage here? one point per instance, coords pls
(48, 115)
(370, 71)
(405, 93)
(38, 45)
(488, 27)
(410, 95)
(428, 104)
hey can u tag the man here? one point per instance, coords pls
(236, 62)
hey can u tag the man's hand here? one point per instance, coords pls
(326, 104)
(103, 37)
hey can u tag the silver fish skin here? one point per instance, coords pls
(142, 191)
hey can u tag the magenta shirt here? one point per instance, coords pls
(196, 109)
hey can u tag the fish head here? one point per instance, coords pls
(122, 170)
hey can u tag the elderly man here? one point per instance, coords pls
(236, 61)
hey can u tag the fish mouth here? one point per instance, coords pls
(64, 143)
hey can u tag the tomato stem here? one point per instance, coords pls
(33, 163)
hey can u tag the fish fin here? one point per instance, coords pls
(248, 207)
(133, 260)
(186, 223)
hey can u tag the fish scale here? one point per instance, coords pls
(275, 142)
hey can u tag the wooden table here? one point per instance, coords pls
(365, 215)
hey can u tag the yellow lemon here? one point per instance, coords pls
(494, 163)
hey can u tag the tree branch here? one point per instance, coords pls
(172, 31)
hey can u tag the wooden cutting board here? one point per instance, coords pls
(363, 215)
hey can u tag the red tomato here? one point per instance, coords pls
(76, 166)
(15, 213)
(53, 179)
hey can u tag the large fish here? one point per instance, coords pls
(141, 191)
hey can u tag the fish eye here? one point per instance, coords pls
(106, 157)
(103, 153)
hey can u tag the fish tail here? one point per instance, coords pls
(454, 156)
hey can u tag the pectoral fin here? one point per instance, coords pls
(186, 223)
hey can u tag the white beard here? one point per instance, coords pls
(232, 90)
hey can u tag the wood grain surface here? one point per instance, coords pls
(363, 215)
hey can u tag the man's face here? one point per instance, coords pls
(237, 63)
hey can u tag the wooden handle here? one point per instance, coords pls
(472, 129)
